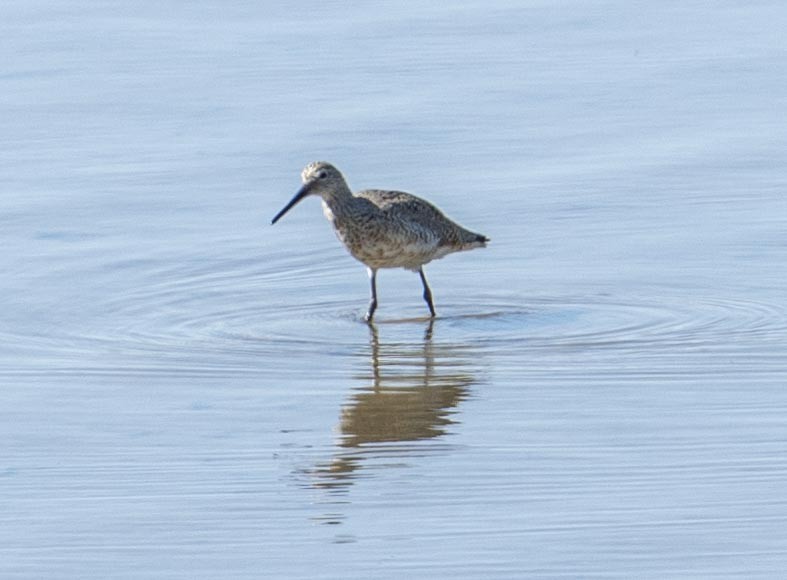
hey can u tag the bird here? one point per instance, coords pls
(382, 228)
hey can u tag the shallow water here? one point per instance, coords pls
(189, 392)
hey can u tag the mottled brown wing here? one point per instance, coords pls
(423, 215)
(406, 207)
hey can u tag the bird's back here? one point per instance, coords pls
(420, 217)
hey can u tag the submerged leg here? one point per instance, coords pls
(373, 301)
(427, 292)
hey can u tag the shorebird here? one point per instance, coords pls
(384, 229)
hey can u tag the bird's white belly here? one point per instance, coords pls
(388, 256)
(380, 245)
(388, 251)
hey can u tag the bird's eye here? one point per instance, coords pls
(322, 174)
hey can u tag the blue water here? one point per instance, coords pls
(189, 392)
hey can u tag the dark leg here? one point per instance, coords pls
(427, 292)
(373, 301)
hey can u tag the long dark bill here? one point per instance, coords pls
(302, 192)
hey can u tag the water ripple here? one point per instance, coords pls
(223, 316)
(605, 321)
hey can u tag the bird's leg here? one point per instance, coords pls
(373, 302)
(427, 292)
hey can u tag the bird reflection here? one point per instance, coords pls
(414, 392)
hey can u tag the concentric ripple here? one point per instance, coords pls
(230, 316)
(634, 322)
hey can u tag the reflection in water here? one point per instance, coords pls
(414, 392)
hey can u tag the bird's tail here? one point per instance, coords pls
(474, 240)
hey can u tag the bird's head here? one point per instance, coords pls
(319, 178)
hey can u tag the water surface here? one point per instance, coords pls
(189, 392)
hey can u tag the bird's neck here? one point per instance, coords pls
(338, 203)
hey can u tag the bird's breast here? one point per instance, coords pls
(382, 243)
(326, 211)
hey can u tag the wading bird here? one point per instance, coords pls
(384, 229)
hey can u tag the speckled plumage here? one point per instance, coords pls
(384, 229)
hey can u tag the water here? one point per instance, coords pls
(188, 392)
